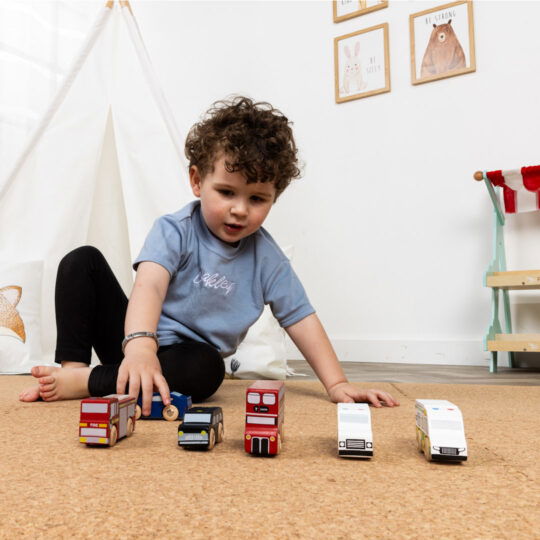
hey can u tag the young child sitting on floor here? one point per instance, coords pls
(203, 277)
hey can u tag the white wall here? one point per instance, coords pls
(391, 234)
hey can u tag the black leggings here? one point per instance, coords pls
(90, 313)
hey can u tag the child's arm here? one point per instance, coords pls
(140, 365)
(310, 337)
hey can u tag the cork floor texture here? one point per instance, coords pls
(146, 486)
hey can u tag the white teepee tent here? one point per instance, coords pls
(103, 163)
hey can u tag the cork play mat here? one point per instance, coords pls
(146, 486)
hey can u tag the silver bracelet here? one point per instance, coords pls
(135, 335)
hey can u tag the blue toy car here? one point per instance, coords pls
(179, 405)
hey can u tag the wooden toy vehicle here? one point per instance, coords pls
(179, 405)
(202, 427)
(355, 438)
(264, 418)
(104, 420)
(439, 430)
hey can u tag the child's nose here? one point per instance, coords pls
(239, 208)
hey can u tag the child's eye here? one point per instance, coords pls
(226, 192)
(257, 199)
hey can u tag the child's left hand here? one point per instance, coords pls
(346, 393)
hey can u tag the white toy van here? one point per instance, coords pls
(354, 430)
(439, 430)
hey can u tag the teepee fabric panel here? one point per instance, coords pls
(153, 172)
(521, 188)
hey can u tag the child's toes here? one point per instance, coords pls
(47, 387)
(49, 395)
(46, 380)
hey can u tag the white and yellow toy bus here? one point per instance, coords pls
(355, 438)
(439, 430)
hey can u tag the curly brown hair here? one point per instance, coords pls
(255, 138)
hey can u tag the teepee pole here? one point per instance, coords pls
(73, 71)
(151, 79)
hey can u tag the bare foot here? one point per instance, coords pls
(33, 393)
(57, 383)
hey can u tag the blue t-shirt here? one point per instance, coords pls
(217, 291)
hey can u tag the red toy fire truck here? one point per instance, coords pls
(264, 417)
(104, 420)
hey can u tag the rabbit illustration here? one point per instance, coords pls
(352, 72)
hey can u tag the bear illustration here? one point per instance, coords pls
(11, 323)
(443, 52)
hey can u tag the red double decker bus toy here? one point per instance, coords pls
(264, 417)
(104, 420)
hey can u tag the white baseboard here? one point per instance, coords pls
(442, 352)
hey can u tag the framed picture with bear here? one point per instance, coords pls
(442, 42)
(346, 9)
(361, 63)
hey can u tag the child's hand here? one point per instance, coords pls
(346, 393)
(142, 369)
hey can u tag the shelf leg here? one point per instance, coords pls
(508, 324)
(493, 363)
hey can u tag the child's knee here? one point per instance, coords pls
(210, 374)
(194, 369)
(81, 257)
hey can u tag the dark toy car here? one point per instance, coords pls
(202, 427)
(179, 405)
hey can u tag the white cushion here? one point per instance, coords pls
(20, 311)
(262, 354)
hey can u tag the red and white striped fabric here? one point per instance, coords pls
(521, 188)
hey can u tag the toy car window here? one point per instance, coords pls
(269, 399)
(253, 398)
(94, 407)
(261, 420)
(445, 424)
(197, 417)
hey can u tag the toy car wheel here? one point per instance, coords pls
(130, 427)
(138, 412)
(114, 436)
(170, 413)
(220, 432)
(211, 439)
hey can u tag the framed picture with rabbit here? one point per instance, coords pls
(362, 63)
(442, 42)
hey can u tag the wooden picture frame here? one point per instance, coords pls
(347, 9)
(362, 63)
(442, 42)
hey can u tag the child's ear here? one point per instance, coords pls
(195, 180)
